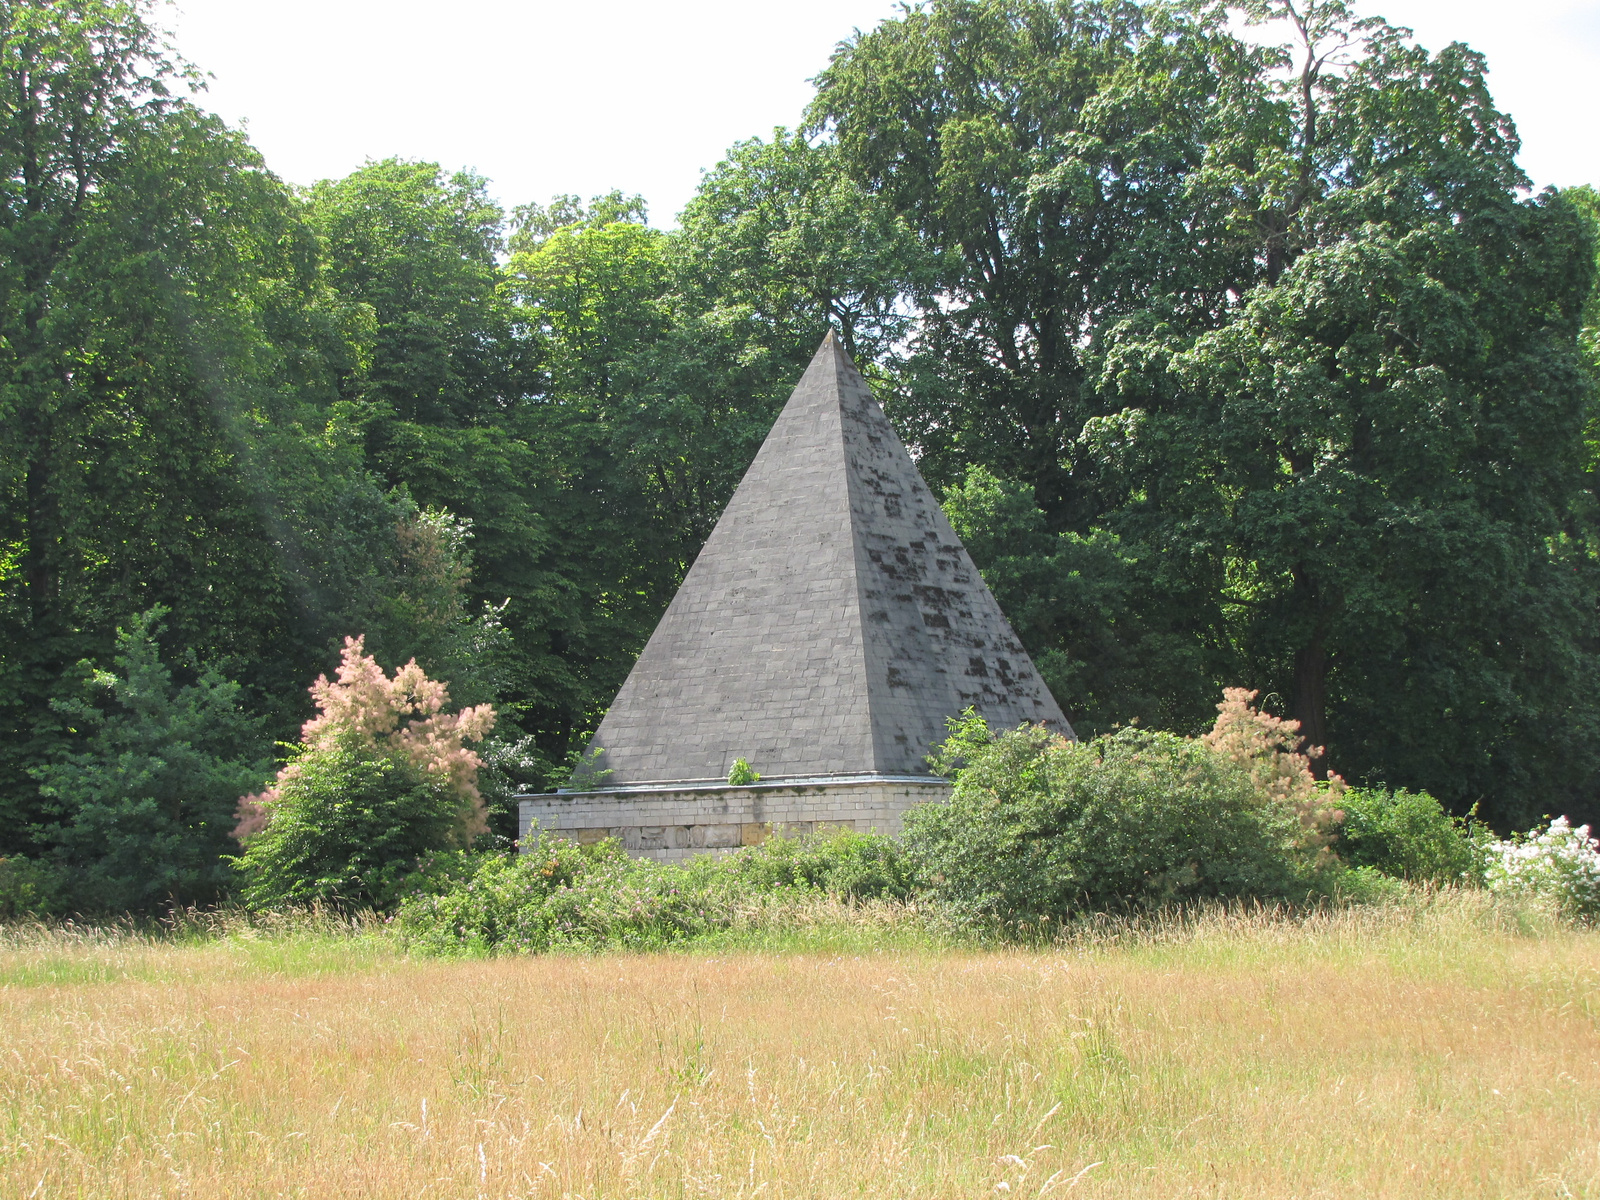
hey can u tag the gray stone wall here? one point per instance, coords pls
(672, 824)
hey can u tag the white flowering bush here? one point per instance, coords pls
(1559, 866)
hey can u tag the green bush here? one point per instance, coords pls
(349, 823)
(557, 894)
(31, 888)
(1039, 827)
(1407, 835)
(854, 866)
(1366, 885)
(476, 903)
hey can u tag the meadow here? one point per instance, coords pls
(1444, 1045)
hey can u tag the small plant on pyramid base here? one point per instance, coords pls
(587, 773)
(367, 792)
(742, 774)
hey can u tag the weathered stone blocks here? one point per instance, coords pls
(670, 824)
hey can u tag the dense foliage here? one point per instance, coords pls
(145, 801)
(1239, 363)
(1038, 834)
(1040, 828)
(1408, 835)
(558, 894)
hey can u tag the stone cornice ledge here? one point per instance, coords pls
(722, 785)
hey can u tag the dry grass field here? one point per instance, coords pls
(1433, 1050)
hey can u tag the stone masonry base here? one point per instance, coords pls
(670, 824)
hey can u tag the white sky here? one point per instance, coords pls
(544, 97)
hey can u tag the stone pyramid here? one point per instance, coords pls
(830, 624)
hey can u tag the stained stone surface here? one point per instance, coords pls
(672, 824)
(831, 622)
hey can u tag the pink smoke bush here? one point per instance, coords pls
(253, 810)
(1271, 749)
(406, 715)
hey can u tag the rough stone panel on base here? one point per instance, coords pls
(714, 837)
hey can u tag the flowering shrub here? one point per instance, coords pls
(382, 777)
(1269, 748)
(346, 829)
(365, 702)
(1559, 866)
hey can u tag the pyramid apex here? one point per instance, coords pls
(832, 341)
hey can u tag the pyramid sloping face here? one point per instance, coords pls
(831, 623)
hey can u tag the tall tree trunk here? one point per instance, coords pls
(1311, 698)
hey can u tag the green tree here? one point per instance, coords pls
(479, 401)
(143, 808)
(1586, 200)
(1381, 444)
(1097, 613)
(1281, 372)
(420, 248)
(80, 79)
(656, 400)
(648, 372)
(1042, 151)
(441, 406)
(428, 619)
(76, 77)
(168, 358)
(779, 228)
